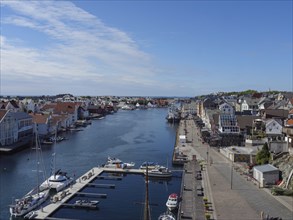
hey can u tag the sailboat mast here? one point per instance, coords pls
(37, 158)
(146, 203)
(54, 153)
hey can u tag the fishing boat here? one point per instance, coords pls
(58, 179)
(117, 163)
(35, 197)
(172, 202)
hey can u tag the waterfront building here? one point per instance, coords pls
(15, 127)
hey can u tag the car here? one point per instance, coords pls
(198, 177)
(199, 192)
(199, 188)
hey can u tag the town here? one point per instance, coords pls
(251, 129)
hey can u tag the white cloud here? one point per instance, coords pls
(80, 47)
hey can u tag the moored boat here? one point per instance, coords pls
(166, 216)
(35, 197)
(151, 165)
(30, 215)
(28, 203)
(160, 172)
(117, 163)
(87, 203)
(58, 181)
(172, 202)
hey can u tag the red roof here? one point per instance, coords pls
(290, 122)
(39, 118)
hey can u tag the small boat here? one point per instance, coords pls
(30, 215)
(87, 203)
(166, 216)
(172, 202)
(117, 163)
(150, 165)
(160, 172)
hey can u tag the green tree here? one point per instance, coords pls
(263, 156)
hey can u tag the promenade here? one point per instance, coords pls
(232, 196)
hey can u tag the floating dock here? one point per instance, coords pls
(61, 198)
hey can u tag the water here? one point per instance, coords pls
(137, 136)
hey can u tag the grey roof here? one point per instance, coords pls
(265, 168)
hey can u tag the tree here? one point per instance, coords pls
(263, 156)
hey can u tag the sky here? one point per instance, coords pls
(145, 48)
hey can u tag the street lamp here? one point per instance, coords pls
(231, 173)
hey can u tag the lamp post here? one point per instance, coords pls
(231, 173)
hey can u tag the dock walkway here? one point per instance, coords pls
(64, 196)
(85, 180)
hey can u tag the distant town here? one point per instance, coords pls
(227, 120)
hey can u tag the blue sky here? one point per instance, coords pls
(145, 48)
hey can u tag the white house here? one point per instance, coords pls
(274, 127)
(227, 120)
(266, 174)
(226, 108)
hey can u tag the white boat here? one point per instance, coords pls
(87, 203)
(35, 197)
(166, 216)
(150, 165)
(160, 172)
(30, 215)
(58, 179)
(117, 163)
(172, 202)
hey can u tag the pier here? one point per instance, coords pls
(60, 199)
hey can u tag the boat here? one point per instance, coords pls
(117, 163)
(147, 210)
(30, 215)
(167, 216)
(35, 197)
(172, 202)
(58, 179)
(87, 203)
(174, 114)
(150, 165)
(160, 172)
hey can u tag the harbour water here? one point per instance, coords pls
(137, 136)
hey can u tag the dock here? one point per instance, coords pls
(60, 199)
